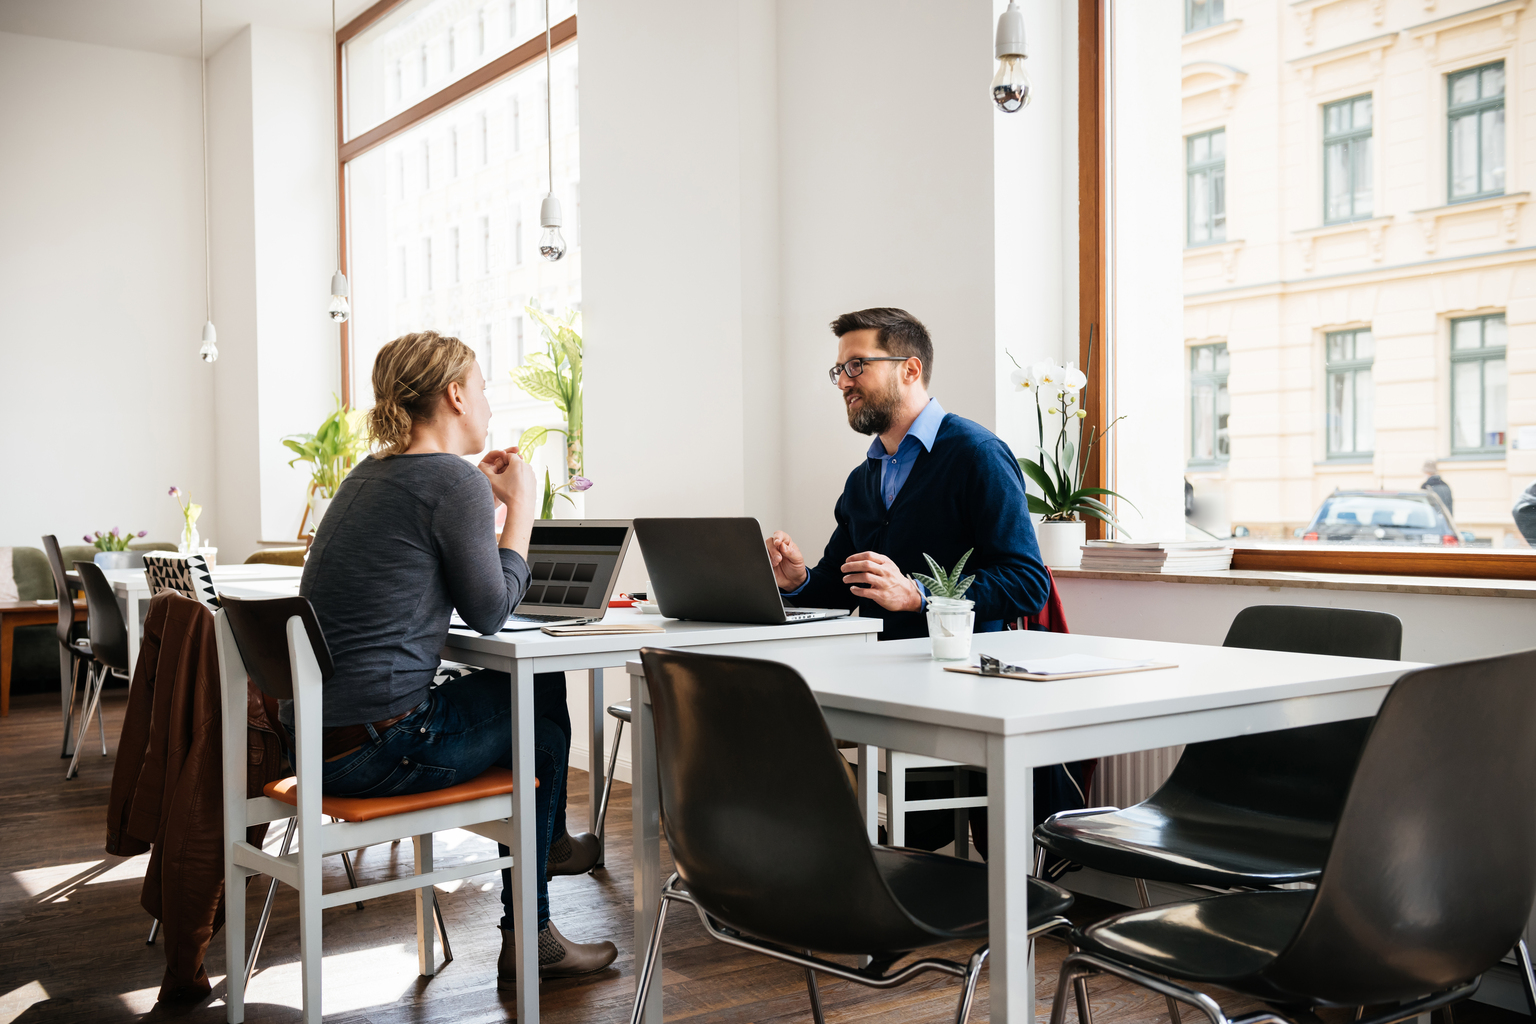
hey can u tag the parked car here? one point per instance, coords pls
(1384, 517)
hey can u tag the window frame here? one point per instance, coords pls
(1206, 167)
(1348, 138)
(1476, 108)
(1210, 5)
(1219, 381)
(1350, 367)
(1481, 355)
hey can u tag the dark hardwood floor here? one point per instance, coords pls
(72, 931)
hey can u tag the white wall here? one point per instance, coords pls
(105, 403)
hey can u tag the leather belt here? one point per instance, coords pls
(340, 740)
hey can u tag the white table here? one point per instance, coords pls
(522, 654)
(894, 695)
(132, 589)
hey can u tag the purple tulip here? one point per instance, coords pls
(114, 531)
(98, 533)
(88, 538)
(143, 532)
(174, 492)
(580, 483)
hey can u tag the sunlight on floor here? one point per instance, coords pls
(350, 979)
(16, 1002)
(55, 883)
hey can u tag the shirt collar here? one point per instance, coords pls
(925, 428)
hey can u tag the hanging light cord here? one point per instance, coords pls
(202, 72)
(336, 130)
(549, 90)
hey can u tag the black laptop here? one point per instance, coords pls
(716, 570)
(575, 564)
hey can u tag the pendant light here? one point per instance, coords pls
(340, 308)
(551, 242)
(1010, 86)
(210, 350)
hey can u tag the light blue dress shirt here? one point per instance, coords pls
(894, 469)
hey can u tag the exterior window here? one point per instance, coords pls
(453, 244)
(1476, 122)
(489, 349)
(398, 82)
(404, 277)
(1209, 405)
(512, 18)
(485, 139)
(1200, 14)
(517, 327)
(423, 62)
(1206, 167)
(485, 245)
(426, 165)
(480, 34)
(1351, 418)
(517, 241)
(426, 261)
(453, 150)
(1347, 160)
(517, 125)
(452, 50)
(400, 176)
(1479, 386)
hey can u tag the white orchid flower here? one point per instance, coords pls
(1048, 376)
(1021, 379)
(1074, 379)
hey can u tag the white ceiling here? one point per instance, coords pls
(165, 26)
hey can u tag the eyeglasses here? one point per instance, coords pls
(855, 367)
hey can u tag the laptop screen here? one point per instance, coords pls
(573, 568)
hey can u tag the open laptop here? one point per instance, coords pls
(716, 570)
(575, 564)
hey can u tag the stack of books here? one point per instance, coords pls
(1156, 556)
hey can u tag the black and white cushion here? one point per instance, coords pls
(187, 575)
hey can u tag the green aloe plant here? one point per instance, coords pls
(948, 585)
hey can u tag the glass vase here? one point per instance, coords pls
(950, 624)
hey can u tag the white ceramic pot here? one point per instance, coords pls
(1061, 544)
(320, 506)
(119, 559)
(950, 624)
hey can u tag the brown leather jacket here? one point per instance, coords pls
(167, 784)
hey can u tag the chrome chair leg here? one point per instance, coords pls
(346, 862)
(266, 908)
(74, 688)
(652, 950)
(1080, 993)
(101, 722)
(442, 930)
(94, 695)
(1527, 976)
(972, 973)
(154, 929)
(810, 984)
(613, 759)
(1039, 861)
(1141, 891)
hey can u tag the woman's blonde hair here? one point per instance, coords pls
(409, 375)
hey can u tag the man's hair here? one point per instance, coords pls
(898, 332)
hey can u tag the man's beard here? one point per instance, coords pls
(875, 412)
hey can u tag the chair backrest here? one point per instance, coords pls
(187, 575)
(762, 823)
(1432, 871)
(66, 624)
(1300, 773)
(260, 629)
(109, 636)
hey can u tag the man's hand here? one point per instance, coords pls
(788, 564)
(872, 575)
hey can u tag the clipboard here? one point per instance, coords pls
(1034, 677)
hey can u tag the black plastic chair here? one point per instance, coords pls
(109, 651)
(786, 868)
(1428, 882)
(74, 650)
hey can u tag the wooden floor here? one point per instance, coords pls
(72, 931)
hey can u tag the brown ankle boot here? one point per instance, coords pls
(559, 957)
(573, 855)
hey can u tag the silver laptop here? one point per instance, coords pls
(575, 564)
(716, 570)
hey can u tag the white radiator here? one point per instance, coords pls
(1127, 779)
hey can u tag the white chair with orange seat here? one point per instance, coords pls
(277, 643)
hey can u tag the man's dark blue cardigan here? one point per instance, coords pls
(967, 492)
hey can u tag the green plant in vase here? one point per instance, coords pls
(190, 510)
(945, 586)
(554, 376)
(113, 541)
(332, 450)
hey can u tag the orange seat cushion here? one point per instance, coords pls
(491, 782)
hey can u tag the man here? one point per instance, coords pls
(1436, 484)
(933, 483)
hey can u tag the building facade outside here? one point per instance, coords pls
(1360, 261)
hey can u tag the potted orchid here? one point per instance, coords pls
(1063, 500)
(554, 376)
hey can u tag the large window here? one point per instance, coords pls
(438, 209)
(1351, 419)
(1476, 115)
(1347, 160)
(1479, 386)
(1206, 170)
(1200, 14)
(1210, 403)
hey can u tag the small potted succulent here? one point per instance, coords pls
(951, 618)
(112, 549)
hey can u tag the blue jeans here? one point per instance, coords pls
(459, 730)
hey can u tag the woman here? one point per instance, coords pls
(409, 539)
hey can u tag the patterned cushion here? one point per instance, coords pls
(187, 575)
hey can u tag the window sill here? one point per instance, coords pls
(1200, 35)
(1379, 583)
(1494, 457)
(1206, 467)
(1346, 460)
(1508, 206)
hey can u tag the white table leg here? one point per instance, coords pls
(596, 712)
(525, 884)
(130, 605)
(1010, 817)
(869, 789)
(646, 814)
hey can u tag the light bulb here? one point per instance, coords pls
(551, 242)
(1010, 86)
(340, 308)
(210, 350)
